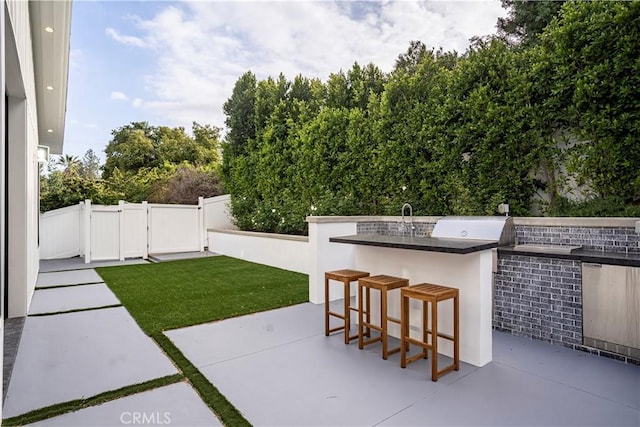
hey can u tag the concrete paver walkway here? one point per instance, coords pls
(176, 405)
(69, 298)
(66, 278)
(75, 355)
(278, 368)
(68, 356)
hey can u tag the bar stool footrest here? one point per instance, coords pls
(419, 356)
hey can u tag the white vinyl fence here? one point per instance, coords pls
(61, 232)
(126, 230)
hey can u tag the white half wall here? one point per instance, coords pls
(326, 256)
(276, 250)
(471, 273)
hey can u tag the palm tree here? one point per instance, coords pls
(69, 163)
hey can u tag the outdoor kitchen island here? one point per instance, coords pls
(467, 262)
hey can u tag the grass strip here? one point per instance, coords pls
(226, 412)
(75, 405)
(75, 310)
(183, 293)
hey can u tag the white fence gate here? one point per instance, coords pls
(175, 228)
(127, 230)
(61, 232)
(104, 238)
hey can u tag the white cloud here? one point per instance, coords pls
(202, 48)
(130, 40)
(76, 122)
(119, 96)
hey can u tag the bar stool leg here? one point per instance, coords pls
(434, 341)
(456, 332)
(425, 327)
(347, 311)
(404, 333)
(326, 306)
(384, 324)
(368, 290)
(360, 318)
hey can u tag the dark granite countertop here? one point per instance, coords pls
(597, 257)
(429, 244)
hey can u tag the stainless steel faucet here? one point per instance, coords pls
(404, 224)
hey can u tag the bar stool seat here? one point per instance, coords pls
(429, 293)
(384, 284)
(346, 277)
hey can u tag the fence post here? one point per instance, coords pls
(87, 231)
(81, 231)
(201, 222)
(145, 207)
(121, 228)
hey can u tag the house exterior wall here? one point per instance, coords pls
(3, 186)
(20, 137)
(22, 185)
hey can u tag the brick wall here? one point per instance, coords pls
(539, 298)
(390, 228)
(610, 239)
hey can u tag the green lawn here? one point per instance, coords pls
(175, 294)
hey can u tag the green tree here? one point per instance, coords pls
(240, 111)
(138, 146)
(526, 20)
(131, 148)
(61, 188)
(90, 167)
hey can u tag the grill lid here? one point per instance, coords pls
(496, 228)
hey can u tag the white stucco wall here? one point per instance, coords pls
(326, 256)
(276, 250)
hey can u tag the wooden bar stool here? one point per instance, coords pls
(384, 284)
(346, 277)
(428, 293)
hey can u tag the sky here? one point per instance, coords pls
(171, 62)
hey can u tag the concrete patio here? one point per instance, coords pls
(278, 368)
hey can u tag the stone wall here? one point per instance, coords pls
(393, 228)
(541, 297)
(609, 239)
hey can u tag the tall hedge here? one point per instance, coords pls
(449, 134)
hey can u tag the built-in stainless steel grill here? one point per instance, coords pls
(494, 228)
